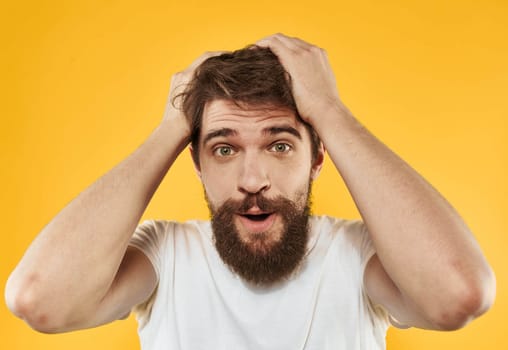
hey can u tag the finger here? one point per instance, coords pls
(293, 42)
(280, 49)
(197, 62)
(276, 40)
(275, 43)
(182, 77)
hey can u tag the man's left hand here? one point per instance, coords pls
(312, 78)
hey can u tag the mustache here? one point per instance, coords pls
(252, 200)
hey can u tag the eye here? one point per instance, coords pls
(280, 147)
(224, 151)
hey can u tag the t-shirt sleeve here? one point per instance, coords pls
(366, 251)
(147, 238)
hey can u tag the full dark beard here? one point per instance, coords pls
(277, 260)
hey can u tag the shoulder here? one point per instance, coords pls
(323, 224)
(158, 234)
(346, 235)
(164, 227)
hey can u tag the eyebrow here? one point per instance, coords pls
(224, 132)
(274, 130)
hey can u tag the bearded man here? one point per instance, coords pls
(263, 273)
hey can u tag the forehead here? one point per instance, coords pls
(223, 113)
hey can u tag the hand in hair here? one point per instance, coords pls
(173, 112)
(313, 82)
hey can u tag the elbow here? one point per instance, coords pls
(24, 302)
(465, 304)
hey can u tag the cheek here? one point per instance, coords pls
(291, 179)
(218, 183)
(287, 177)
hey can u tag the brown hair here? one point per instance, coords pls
(250, 76)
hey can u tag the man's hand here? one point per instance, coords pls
(90, 237)
(173, 113)
(313, 81)
(428, 270)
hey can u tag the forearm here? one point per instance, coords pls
(422, 243)
(71, 264)
(434, 266)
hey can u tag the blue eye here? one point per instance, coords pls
(280, 147)
(224, 151)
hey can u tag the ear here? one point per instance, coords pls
(197, 168)
(318, 162)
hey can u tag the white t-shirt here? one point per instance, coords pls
(201, 304)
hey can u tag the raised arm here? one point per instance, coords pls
(76, 273)
(429, 271)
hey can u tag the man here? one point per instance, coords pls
(262, 274)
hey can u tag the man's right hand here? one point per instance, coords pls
(90, 237)
(179, 81)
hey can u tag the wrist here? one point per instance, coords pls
(174, 131)
(332, 114)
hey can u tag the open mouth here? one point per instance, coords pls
(257, 217)
(257, 222)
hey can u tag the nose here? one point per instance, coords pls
(253, 177)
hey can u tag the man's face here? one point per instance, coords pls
(256, 167)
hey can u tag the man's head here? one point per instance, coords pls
(250, 76)
(256, 159)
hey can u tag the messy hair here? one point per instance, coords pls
(252, 76)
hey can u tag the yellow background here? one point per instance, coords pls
(84, 83)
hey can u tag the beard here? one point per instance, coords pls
(263, 260)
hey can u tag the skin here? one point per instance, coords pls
(253, 154)
(428, 272)
(89, 237)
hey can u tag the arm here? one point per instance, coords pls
(429, 271)
(78, 272)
